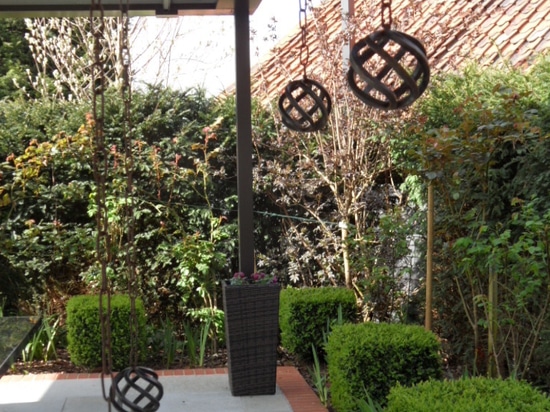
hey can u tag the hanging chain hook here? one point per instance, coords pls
(305, 104)
(304, 48)
(386, 14)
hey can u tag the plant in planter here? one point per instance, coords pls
(240, 278)
(251, 307)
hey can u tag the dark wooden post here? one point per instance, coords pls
(244, 137)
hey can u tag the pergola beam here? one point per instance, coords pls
(81, 8)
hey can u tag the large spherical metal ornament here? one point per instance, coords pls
(136, 389)
(305, 106)
(388, 69)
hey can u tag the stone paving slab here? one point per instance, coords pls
(202, 390)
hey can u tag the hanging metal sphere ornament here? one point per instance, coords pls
(136, 389)
(305, 106)
(388, 69)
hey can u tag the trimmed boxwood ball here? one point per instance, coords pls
(373, 357)
(84, 330)
(304, 313)
(468, 395)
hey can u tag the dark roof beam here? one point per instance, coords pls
(81, 8)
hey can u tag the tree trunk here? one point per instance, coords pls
(345, 254)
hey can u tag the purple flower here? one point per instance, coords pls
(239, 275)
(240, 278)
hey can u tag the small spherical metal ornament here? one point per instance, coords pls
(136, 389)
(305, 106)
(388, 69)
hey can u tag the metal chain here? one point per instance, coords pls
(386, 14)
(100, 169)
(129, 218)
(304, 48)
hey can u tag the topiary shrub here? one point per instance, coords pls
(373, 357)
(468, 395)
(304, 314)
(84, 330)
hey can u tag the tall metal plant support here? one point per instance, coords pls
(389, 69)
(429, 258)
(135, 388)
(305, 104)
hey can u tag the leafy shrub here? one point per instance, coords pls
(540, 367)
(305, 316)
(468, 395)
(481, 139)
(84, 330)
(374, 357)
(383, 256)
(184, 206)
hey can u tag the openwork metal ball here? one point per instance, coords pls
(136, 389)
(388, 70)
(305, 106)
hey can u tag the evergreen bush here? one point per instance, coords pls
(84, 330)
(468, 395)
(371, 358)
(306, 315)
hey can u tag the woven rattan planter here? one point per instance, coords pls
(251, 330)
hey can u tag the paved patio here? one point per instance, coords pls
(204, 390)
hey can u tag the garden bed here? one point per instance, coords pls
(63, 364)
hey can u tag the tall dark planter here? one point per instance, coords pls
(251, 331)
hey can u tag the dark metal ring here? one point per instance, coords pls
(410, 80)
(136, 389)
(305, 106)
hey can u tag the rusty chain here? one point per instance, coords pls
(304, 48)
(129, 218)
(386, 14)
(100, 170)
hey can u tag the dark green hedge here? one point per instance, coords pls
(304, 313)
(468, 395)
(84, 331)
(373, 357)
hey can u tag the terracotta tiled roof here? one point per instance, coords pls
(454, 32)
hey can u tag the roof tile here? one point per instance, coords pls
(537, 34)
(453, 32)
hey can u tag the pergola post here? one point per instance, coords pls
(244, 137)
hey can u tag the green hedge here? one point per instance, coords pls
(84, 331)
(304, 313)
(374, 357)
(468, 395)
